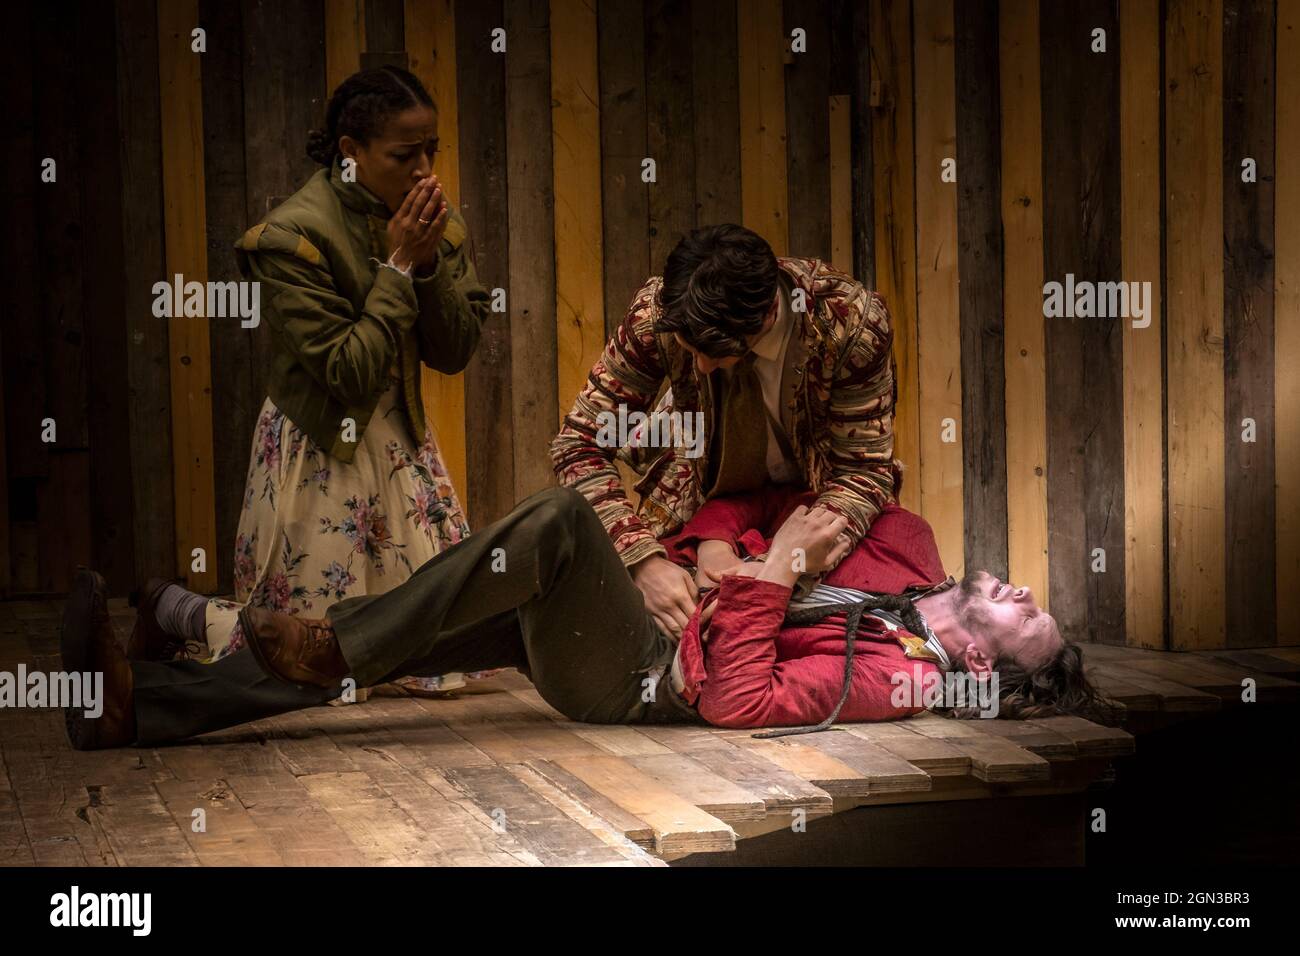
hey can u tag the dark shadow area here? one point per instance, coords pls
(1219, 789)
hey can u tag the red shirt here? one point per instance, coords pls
(752, 670)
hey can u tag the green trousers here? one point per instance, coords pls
(542, 590)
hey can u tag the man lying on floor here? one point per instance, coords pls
(543, 590)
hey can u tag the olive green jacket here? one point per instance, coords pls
(339, 320)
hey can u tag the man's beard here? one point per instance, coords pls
(968, 590)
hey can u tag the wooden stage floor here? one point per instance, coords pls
(495, 777)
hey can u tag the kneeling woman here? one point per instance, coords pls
(365, 273)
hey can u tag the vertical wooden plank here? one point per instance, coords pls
(1022, 278)
(147, 358)
(842, 68)
(284, 97)
(5, 573)
(22, 393)
(61, 262)
(624, 147)
(863, 102)
(892, 151)
(1286, 334)
(24, 397)
(1081, 223)
(529, 184)
(385, 35)
(808, 137)
(763, 182)
(239, 355)
(716, 109)
(181, 112)
(1144, 506)
(345, 38)
(482, 132)
(843, 55)
(431, 52)
(1194, 336)
(670, 126)
(625, 199)
(104, 283)
(65, 539)
(980, 265)
(1248, 115)
(59, 231)
(840, 124)
(623, 135)
(940, 319)
(579, 247)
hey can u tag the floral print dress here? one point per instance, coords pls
(314, 530)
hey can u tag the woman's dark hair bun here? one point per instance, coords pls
(320, 147)
(361, 105)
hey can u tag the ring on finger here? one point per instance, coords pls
(425, 221)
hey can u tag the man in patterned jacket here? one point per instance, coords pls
(787, 365)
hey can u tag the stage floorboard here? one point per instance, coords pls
(494, 776)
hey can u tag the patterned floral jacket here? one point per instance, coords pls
(842, 412)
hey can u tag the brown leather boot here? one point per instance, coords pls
(149, 642)
(89, 646)
(296, 650)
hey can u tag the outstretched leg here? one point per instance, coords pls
(542, 590)
(588, 642)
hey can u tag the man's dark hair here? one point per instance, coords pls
(360, 107)
(1059, 687)
(719, 283)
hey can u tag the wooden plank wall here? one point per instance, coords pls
(61, 305)
(1024, 361)
(1146, 601)
(69, 500)
(807, 130)
(185, 245)
(1194, 321)
(980, 460)
(764, 192)
(1100, 140)
(530, 201)
(1081, 230)
(488, 389)
(1249, 83)
(26, 457)
(230, 160)
(431, 50)
(893, 154)
(939, 341)
(148, 375)
(1286, 332)
(579, 240)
